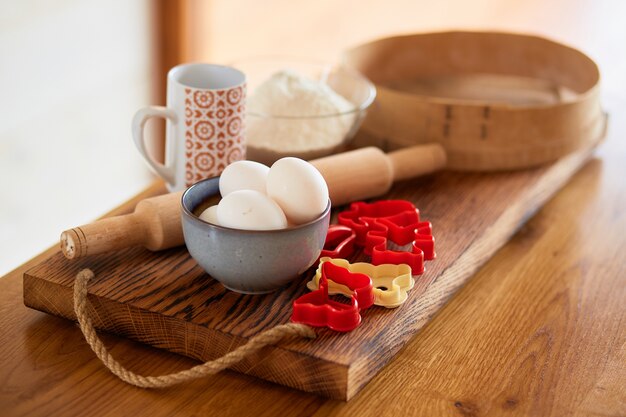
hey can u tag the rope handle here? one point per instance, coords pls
(256, 343)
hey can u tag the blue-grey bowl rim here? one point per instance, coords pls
(197, 219)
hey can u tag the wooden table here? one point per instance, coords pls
(540, 330)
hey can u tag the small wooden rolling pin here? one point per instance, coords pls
(155, 223)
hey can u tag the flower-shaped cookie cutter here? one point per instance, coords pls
(339, 242)
(391, 282)
(377, 223)
(316, 309)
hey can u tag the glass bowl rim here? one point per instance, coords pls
(371, 88)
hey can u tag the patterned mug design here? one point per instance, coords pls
(205, 123)
(213, 131)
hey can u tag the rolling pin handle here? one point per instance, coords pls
(417, 160)
(112, 233)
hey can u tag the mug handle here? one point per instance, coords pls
(167, 172)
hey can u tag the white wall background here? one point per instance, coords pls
(72, 73)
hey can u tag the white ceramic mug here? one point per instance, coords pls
(204, 123)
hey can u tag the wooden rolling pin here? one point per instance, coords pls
(155, 223)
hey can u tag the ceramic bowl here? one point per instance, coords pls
(249, 261)
(353, 86)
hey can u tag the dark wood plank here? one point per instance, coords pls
(164, 299)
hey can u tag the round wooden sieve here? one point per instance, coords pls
(493, 101)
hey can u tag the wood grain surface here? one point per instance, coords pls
(166, 300)
(538, 331)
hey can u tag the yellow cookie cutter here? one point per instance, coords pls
(391, 282)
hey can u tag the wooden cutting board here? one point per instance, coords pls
(165, 300)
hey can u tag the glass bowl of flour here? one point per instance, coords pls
(301, 108)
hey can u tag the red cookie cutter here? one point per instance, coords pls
(396, 220)
(316, 309)
(339, 242)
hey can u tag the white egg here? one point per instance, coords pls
(243, 175)
(210, 215)
(298, 188)
(250, 210)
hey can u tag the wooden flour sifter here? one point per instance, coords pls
(493, 101)
(457, 100)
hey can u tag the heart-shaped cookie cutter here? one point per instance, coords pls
(339, 242)
(391, 282)
(316, 309)
(396, 220)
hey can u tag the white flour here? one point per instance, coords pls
(287, 93)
